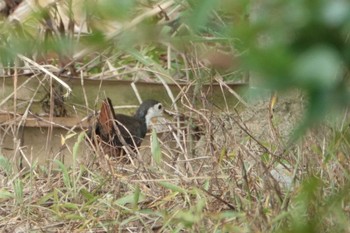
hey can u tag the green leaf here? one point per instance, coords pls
(68, 205)
(136, 196)
(155, 148)
(318, 67)
(199, 16)
(45, 198)
(74, 217)
(77, 144)
(115, 9)
(335, 13)
(129, 199)
(88, 196)
(4, 194)
(206, 185)
(188, 218)
(172, 187)
(66, 178)
(18, 188)
(5, 165)
(230, 214)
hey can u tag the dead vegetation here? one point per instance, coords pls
(235, 177)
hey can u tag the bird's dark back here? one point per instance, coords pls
(132, 129)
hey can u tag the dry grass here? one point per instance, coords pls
(236, 178)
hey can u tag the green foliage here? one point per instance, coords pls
(5, 166)
(312, 212)
(197, 16)
(155, 148)
(290, 44)
(18, 190)
(300, 44)
(112, 9)
(65, 174)
(5, 195)
(172, 187)
(133, 198)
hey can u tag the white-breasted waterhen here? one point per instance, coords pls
(113, 131)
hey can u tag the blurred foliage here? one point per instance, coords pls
(314, 210)
(299, 44)
(289, 44)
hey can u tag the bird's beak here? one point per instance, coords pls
(155, 119)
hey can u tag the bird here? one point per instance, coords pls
(113, 131)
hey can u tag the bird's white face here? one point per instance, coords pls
(155, 111)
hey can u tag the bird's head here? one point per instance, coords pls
(148, 110)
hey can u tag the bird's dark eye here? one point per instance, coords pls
(160, 106)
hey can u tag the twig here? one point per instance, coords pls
(221, 82)
(65, 85)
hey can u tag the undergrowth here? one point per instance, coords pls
(236, 179)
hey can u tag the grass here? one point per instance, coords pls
(227, 184)
(214, 169)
